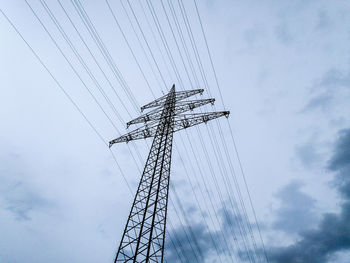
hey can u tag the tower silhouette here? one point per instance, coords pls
(144, 234)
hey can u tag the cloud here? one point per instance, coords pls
(341, 155)
(323, 20)
(196, 242)
(21, 201)
(16, 195)
(254, 34)
(283, 34)
(193, 241)
(308, 154)
(326, 89)
(333, 232)
(297, 210)
(340, 163)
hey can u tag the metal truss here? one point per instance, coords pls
(181, 106)
(144, 234)
(180, 95)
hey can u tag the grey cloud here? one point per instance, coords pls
(333, 233)
(17, 196)
(21, 201)
(185, 245)
(321, 101)
(297, 211)
(233, 221)
(229, 220)
(254, 34)
(341, 156)
(283, 34)
(325, 89)
(335, 78)
(187, 239)
(340, 163)
(307, 154)
(323, 19)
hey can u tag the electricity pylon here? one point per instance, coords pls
(144, 234)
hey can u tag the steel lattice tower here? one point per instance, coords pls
(144, 234)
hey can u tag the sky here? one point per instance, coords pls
(283, 69)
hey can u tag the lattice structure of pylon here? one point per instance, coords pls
(144, 234)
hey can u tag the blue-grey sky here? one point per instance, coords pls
(284, 73)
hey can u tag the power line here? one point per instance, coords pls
(143, 49)
(220, 166)
(223, 203)
(233, 203)
(165, 43)
(189, 236)
(128, 44)
(155, 40)
(147, 44)
(61, 88)
(71, 66)
(200, 208)
(201, 67)
(183, 42)
(93, 57)
(106, 54)
(208, 197)
(246, 218)
(231, 133)
(80, 59)
(75, 71)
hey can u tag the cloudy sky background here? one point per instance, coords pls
(284, 72)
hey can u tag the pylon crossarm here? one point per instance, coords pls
(181, 121)
(140, 133)
(179, 95)
(185, 121)
(180, 107)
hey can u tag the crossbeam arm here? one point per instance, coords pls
(143, 132)
(180, 95)
(182, 121)
(180, 107)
